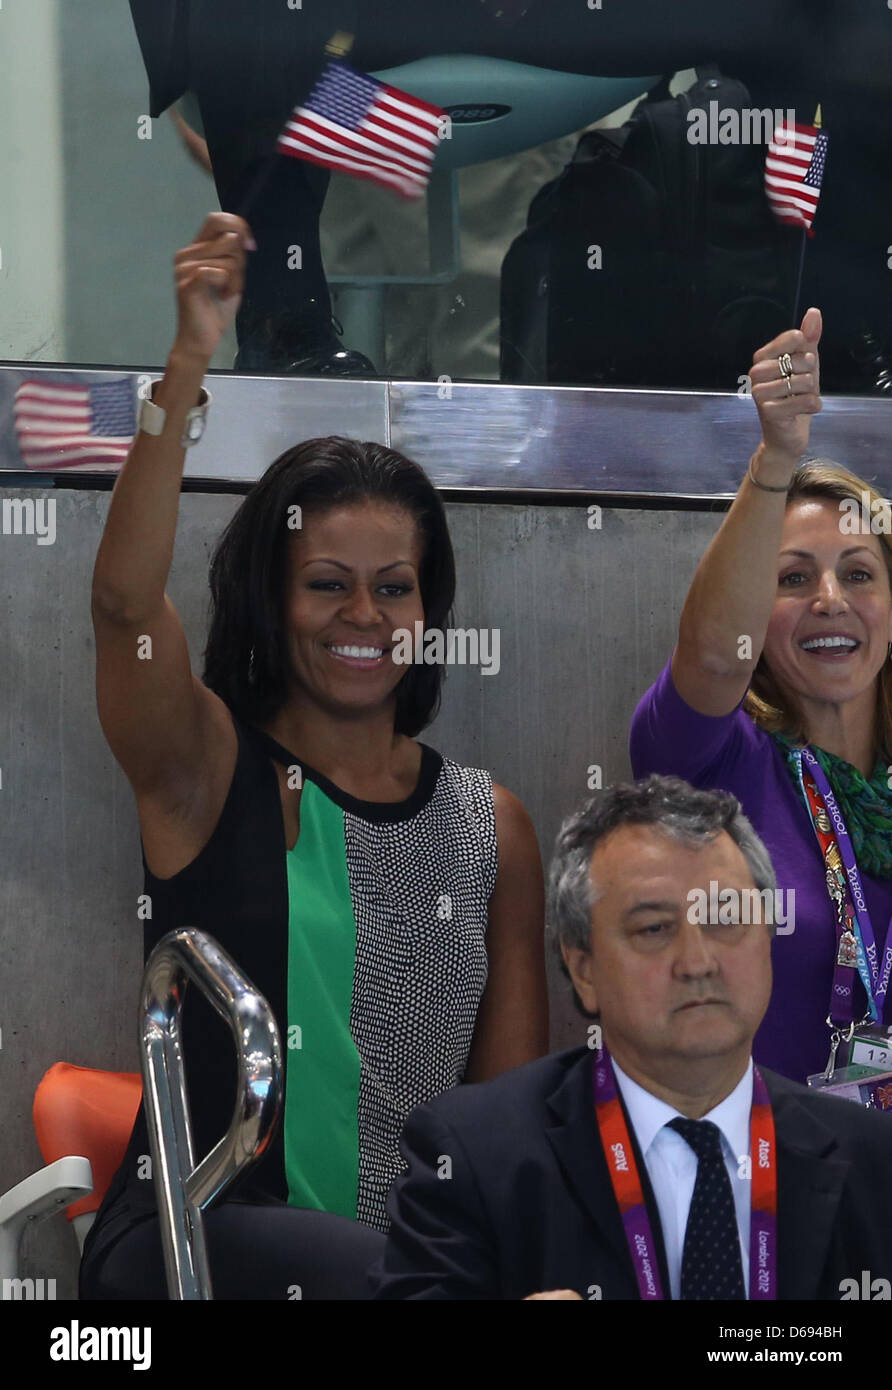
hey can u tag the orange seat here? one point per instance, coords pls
(80, 1110)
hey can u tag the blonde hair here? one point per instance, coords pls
(771, 708)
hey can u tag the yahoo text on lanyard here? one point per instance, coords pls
(629, 1193)
(856, 940)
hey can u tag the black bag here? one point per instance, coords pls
(695, 271)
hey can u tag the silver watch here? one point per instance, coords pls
(152, 417)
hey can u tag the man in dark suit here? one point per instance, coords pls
(512, 1185)
(248, 65)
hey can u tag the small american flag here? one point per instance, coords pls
(794, 168)
(355, 124)
(61, 426)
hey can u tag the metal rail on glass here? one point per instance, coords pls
(487, 437)
(183, 1188)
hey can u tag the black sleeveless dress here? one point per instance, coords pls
(419, 874)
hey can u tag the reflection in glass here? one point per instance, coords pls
(557, 243)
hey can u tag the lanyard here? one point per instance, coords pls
(856, 945)
(629, 1193)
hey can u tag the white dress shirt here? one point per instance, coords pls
(672, 1164)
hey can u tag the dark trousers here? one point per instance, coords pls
(254, 1252)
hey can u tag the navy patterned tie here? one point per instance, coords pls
(710, 1262)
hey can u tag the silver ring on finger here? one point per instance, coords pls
(789, 385)
(785, 362)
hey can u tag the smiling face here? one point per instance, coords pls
(828, 635)
(353, 578)
(670, 991)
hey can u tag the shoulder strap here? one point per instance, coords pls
(271, 747)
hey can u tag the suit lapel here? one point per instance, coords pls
(810, 1183)
(810, 1178)
(577, 1145)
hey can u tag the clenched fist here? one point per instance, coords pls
(210, 278)
(786, 385)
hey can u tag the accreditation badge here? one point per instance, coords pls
(880, 1093)
(861, 1084)
(871, 1046)
(847, 954)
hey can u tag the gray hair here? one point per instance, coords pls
(690, 816)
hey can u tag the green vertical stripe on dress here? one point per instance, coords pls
(322, 1074)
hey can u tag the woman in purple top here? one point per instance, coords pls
(784, 644)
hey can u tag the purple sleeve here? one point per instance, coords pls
(668, 737)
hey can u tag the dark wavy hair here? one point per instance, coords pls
(248, 573)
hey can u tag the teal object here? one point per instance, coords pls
(541, 104)
(534, 104)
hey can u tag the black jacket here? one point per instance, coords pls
(508, 1193)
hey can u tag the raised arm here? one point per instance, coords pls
(735, 586)
(171, 735)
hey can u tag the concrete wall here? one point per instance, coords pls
(586, 619)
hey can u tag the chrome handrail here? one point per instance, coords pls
(183, 1189)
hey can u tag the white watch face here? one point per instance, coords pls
(151, 417)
